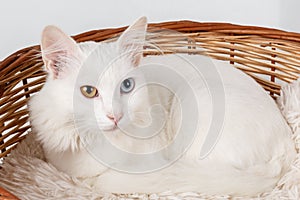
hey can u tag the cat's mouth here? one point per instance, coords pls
(110, 128)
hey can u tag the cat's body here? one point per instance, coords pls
(252, 152)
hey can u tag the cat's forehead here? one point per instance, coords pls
(99, 54)
(103, 63)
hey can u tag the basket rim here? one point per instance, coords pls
(185, 26)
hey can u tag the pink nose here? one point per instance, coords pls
(114, 118)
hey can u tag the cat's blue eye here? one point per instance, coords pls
(127, 85)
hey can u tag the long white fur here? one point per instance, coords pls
(253, 152)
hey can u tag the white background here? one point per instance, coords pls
(21, 22)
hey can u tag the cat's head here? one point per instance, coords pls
(90, 86)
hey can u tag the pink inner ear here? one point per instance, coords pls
(132, 49)
(132, 40)
(52, 68)
(54, 61)
(136, 59)
(58, 49)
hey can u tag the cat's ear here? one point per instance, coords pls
(132, 41)
(58, 49)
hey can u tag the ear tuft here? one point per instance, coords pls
(57, 50)
(132, 40)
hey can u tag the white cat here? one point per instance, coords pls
(94, 119)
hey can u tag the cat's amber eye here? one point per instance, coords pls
(89, 91)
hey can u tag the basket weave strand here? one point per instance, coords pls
(270, 56)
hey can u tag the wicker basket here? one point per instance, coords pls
(270, 56)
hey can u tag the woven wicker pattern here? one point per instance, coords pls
(270, 56)
(5, 195)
